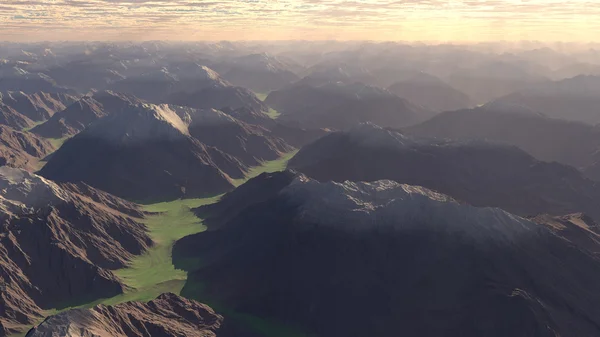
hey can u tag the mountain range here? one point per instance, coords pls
(548, 139)
(312, 254)
(340, 106)
(59, 243)
(574, 99)
(482, 174)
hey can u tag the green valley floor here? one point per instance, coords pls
(153, 273)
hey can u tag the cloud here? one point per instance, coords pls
(280, 19)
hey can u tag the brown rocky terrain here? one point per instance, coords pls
(310, 254)
(167, 316)
(480, 173)
(59, 243)
(12, 118)
(22, 149)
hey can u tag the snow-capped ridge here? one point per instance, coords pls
(385, 203)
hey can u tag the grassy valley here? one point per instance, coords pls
(153, 273)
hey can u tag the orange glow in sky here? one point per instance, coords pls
(408, 20)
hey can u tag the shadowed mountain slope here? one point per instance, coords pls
(311, 253)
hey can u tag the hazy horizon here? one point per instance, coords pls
(434, 21)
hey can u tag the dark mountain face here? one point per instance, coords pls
(341, 106)
(144, 153)
(250, 144)
(59, 243)
(575, 99)
(167, 316)
(479, 173)
(22, 149)
(431, 93)
(418, 263)
(82, 113)
(570, 143)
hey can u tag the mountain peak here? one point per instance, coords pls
(22, 191)
(140, 123)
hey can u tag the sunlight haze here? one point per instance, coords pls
(408, 20)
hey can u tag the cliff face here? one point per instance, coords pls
(59, 243)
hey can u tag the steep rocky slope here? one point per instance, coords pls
(167, 316)
(386, 259)
(59, 243)
(145, 152)
(482, 174)
(12, 118)
(22, 149)
(548, 139)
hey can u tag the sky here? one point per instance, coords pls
(397, 20)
